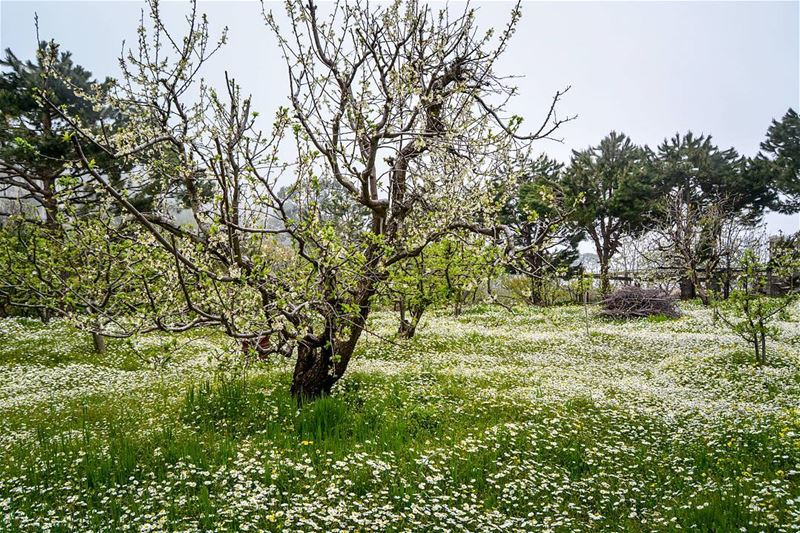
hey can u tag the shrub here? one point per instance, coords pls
(748, 312)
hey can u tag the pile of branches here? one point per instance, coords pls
(634, 302)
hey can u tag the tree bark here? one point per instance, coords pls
(312, 377)
(702, 291)
(605, 283)
(687, 289)
(408, 328)
(457, 304)
(537, 283)
(99, 342)
(322, 361)
(50, 204)
(537, 292)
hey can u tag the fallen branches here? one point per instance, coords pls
(634, 302)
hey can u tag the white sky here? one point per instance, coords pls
(649, 69)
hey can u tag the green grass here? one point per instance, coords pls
(488, 421)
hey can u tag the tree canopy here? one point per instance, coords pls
(778, 162)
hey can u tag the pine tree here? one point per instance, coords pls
(615, 190)
(539, 215)
(778, 163)
(704, 189)
(37, 156)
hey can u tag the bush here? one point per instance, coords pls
(748, 312)
(635, 302)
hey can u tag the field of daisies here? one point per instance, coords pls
(490, 421)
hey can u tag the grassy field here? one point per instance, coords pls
(491, 421)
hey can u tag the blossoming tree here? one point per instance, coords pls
(398, 104)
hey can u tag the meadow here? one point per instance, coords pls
(489, 421)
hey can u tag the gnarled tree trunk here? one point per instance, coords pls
(322, 360)
(313, 375)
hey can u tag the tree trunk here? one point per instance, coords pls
(605, 283)
(49, 202)
(408, 328)
(714, 284)
(704, 296)
(99, 342)
(313, 376)
(536, 291)
(457, 303)
(687, 289)
(401, 306)
(536, 276)
(702, 291)
(322, 361)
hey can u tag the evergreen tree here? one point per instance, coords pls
(539, 215)
(778, 163)
(38, 160)
(704, 190)
(614, 190)
(708, 175)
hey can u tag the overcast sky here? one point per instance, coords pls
(649, 69)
